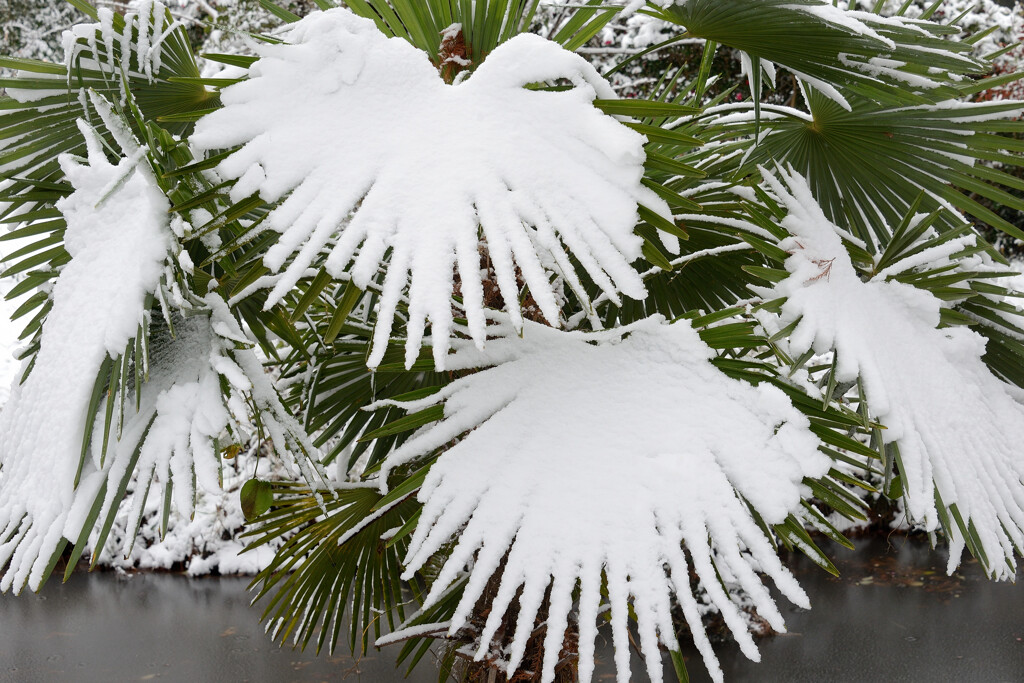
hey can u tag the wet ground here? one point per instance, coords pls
(100, 628)
(893, 616)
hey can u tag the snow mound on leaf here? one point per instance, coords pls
(958, 428)
(379, 154)
(609, 452)
(118, 238)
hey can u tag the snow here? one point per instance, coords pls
(413, 632)
(958, 428)
(853, 22)
(416, 166)
(181, 415)
(210, 541)
(118, 243)
(167, 429)
(244, 370)
(650, 447)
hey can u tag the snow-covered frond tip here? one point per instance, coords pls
(118, 239)
(171, 437)
(246, 375)
(958, 428)
(132, 46)
(378, 160)
(184, 409)
(609, 452)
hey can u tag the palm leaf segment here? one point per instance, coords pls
(145, 53)
(113, 393)
(953, 429)
(550, 488)
(891, 60)
(867, 166)
(380, 155)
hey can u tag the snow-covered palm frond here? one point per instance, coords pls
(608, 452)
(956, 428)
(203, 382)
(169, 435)
(145, 57)
(145, 52)
(111, 395)
(118, 239)
(375, 158)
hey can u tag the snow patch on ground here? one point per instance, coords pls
(210, 542)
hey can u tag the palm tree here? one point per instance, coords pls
(669, 335)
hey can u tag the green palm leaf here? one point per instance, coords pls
(44, 100)
(333, 561)
(866, 166)
(890, 60)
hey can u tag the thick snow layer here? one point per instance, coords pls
(958, 428)
(380, 154)
(607, 452)
(118, 238)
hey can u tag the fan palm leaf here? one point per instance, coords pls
(867, 166)
(928, 386)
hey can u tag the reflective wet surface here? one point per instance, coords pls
(158, 627)
(893, 615)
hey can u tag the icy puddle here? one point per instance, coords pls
(893, 616)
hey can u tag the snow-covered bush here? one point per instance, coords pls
(565, 353)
